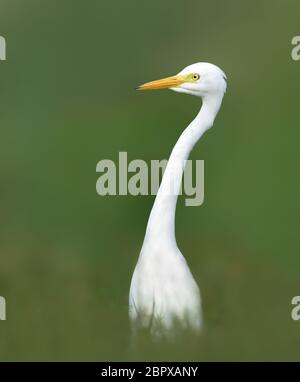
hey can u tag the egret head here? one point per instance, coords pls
(201, 79)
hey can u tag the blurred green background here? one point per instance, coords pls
(67, 101)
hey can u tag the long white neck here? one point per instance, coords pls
(161, 223)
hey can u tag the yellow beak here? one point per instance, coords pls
(164, 83)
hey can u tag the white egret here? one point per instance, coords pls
(163, 292)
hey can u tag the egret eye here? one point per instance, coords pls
(195, 77)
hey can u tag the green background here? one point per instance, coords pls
(67, 101)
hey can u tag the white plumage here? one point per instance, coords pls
(163, 293)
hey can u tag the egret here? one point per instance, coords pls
(163, 293)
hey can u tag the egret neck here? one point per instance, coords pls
(161, 223)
